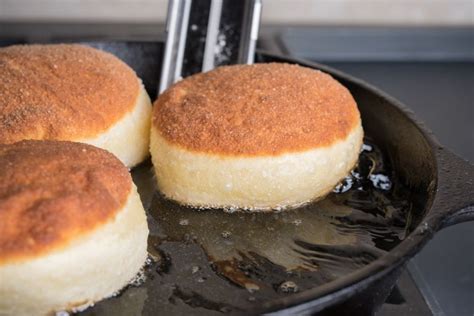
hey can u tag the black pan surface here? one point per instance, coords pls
(340, 255)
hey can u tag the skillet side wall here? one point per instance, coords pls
(365, 301)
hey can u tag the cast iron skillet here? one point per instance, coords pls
(440, 186)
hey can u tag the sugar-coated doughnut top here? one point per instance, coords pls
(62, 92)
(261, 109)
(52, 192)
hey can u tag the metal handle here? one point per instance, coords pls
(204, 34)
(250, 28)
(454, 200)
(176, 28)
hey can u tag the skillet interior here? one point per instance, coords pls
(216, 262)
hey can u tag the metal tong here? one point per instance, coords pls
(204, 34)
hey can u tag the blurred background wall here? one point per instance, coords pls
(329, 12)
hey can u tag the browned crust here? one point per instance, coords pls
(62, 92)
(262, 109)
(53, 192)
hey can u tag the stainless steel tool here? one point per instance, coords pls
(204, 34)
